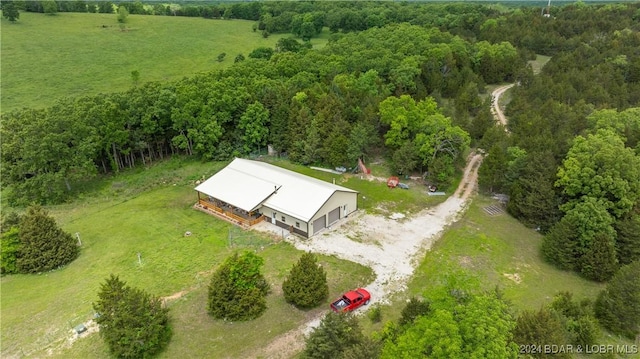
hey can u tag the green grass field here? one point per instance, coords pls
(148, 211)
(539, 63)
(71, 54)
(486, 252)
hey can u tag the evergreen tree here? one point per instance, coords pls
(414, 309)
(132, 323)
(618, 305)
(43, 245)
(492, 172)
(559, 245)
(337, 333)
(599, 262)
(306, 286)
(581, 327)
(10, 11)
(238, 290)
(532, 196)
(628, 239)
(543, 327)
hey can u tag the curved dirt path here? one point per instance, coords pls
(390, 247)
(495, 105)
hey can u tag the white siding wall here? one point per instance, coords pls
(289, 220)
(338, 199)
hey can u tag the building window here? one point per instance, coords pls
(297, 224)
(283, 219)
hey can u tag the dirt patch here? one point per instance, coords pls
(174, 296)
(465, 262)
(514, 277)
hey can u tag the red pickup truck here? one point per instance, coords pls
(351, 300)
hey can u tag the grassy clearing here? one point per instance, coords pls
(539, 63)
(499, 251)
(488, 252)
(73, 54)
(115, 224)
(375, 196)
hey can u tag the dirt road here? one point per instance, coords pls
(495, 106)
(391, 247)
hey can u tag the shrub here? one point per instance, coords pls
(415, 308)
(375, 314)
(9, 248)
(238, 290)
(367, 349)
(132, 323)
(543, 327)
(306, 286)
(581, 327)
(618, 305)
(43, 245)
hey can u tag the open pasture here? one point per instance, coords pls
(72, 54)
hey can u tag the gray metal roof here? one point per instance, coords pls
(248, 184)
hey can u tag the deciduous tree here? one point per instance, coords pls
(254, 124)
(600, 166)
(50, 7)
(480, 326)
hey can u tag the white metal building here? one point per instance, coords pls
(247, 192)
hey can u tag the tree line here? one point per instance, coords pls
(316, 106)
(572, 160)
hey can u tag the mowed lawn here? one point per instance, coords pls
(39, 311)
(72, 54)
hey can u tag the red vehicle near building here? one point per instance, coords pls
(351, 300)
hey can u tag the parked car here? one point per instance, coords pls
(351, 300)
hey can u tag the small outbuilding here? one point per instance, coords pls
(246, 192)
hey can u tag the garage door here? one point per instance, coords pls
(318, 224)
(334, 216)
